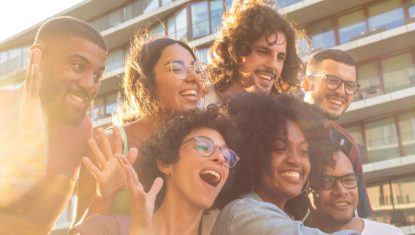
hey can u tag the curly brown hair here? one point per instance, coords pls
(139, 92)
(242, 26)
(164, 145)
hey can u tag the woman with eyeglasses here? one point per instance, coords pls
(188, 161)
(161, 75)
(281, 138)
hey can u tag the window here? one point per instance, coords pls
(385, 15)
(381, 140)
(177, 25)
(398, 72)
(403, 191)
(111, 103)
(380, 197)
(323, 35)
(151, 5)
(368, 77)
(200, 19)
(115, 60)
(284, 3)
(97, 110)
(357, 135)
(407, 131)
(158, 29)
(216, 12)
(412, 9)
(202, 54)
(351, 26)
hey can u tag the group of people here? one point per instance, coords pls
(217, 149)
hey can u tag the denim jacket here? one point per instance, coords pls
(250, 215)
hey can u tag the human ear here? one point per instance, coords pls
(305, 85)
(164, 168)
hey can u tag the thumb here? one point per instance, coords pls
(132, 155)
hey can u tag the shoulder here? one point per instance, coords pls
(375, 228)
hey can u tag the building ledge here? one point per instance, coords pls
(389, 168)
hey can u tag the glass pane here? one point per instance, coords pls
(200, 19)
(369, 80)
(154, 4)
(114, 60)
(351, 26)
(284, 3)
(202, 54)
(385, 15)
(164, 2)
(111, 103)
(171, 27)
(323, 35)
(403, 190)
(381, 140)
(216, 12)
(380, 198)
(157, 29)
(97, 110)
(398, 72)
(229, 4)
(407, 130)
(412, 9)
(181, 24)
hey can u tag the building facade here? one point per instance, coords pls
(377, 33)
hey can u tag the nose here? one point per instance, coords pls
(341, 89)
(219, 157)
(294, 157)
(274, 65)
(89, 84)
(339, 188)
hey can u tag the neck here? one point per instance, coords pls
(355, 224)
(176, 216)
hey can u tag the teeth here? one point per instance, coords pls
(342, 204)
(291, 174)
(189, 92)
(77, 98)
(211, 177)
(214, 173)
(268, 77)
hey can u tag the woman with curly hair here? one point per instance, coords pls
(254, 51)
(183, 167)
(162, 75)
(281, 145)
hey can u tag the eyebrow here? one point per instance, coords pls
(84, 59)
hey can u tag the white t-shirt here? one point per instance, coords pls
(375, 228)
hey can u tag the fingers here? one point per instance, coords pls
(104, 144)
(96, 152)
(91, 167)
(116, 141)
(156, 187)
(32, 76)
(132, 155)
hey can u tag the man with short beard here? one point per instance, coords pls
(330, 83)
(254, 51)
(335, 198)
(43, 125)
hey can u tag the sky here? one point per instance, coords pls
(18, 15)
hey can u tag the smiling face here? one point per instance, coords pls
(336, 206)
(333, 102)
(195, 178)
(265, 63)
(290, 167)
(70, 77)
(172, 93)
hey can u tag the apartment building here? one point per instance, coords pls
(377, 33)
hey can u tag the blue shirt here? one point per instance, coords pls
(251, 215)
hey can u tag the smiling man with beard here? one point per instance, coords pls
(335, 198)
(330, 83)
(255, 51)
(44, 127)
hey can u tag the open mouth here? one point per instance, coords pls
(336, 101)
(265, 75)
(291, 175)
(189, 93)
(211, 177)
(342, 204)
(77, 98)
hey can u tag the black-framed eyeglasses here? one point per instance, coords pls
(180, 70)
(333, 82)
(206, 147)
(349, 181)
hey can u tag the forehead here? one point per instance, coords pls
(344, 71)
(214, 135)
(276, 40)
(77, 46)
(295, 134)
(343, 165)
(175, 52)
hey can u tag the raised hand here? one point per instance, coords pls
(142, 203)
(107, 170)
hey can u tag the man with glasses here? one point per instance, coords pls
(330, 83)
(335, 199)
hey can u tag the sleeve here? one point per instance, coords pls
(263, 218)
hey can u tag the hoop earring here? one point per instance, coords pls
(306, 187)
